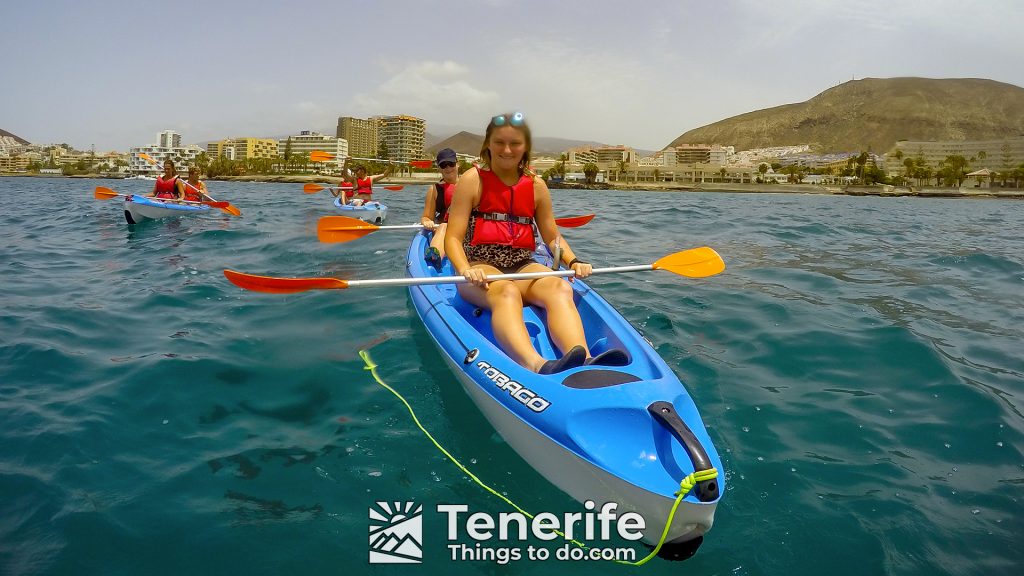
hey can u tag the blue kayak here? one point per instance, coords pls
(138, 208)
(371, 211)
(624, 434)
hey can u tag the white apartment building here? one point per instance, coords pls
(1001, 155)
(168, 146)
(305, 142)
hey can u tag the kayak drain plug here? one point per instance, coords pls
(471, 356)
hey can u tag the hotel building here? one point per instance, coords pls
(1001, 155)
(243, 148)
(361, 135)
(306, 142)
(168, 146)
(404, 137)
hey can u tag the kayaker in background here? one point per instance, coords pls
(364, 184)
(490, 231)
(347, 184)
(194, 189)
(168, 185)
(435, 208)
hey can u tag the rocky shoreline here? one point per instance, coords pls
(875, 190)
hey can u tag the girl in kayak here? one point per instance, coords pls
(194, 189)
(168, 185)
(435, 208)
(490, 231)
(347, 184)
(364, 185)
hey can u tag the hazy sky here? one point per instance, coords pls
(113, 73)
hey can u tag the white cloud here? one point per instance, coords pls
(427, 89)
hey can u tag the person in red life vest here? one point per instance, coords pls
(435, 208)
(168, 185)
(490, 231)
(347, 184)
(364, 185)
(194, 188)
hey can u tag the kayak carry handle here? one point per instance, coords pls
(665, 413)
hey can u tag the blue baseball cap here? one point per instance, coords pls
(446, 155)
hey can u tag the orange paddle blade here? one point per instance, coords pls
(228, 207)
(273, 285)
(312, 188)
(104, 193)
(421, 163)
(148, 158)
(319, 156)
(342, 229)
(574, 221)
(694, 263)
(339, 221)
(394, 187)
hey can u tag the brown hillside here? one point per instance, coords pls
(874, 113)
(463, 143)
(17, 138)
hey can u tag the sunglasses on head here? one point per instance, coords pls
(446, 164)
(516, 119)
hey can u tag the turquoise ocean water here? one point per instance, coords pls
(858, 365)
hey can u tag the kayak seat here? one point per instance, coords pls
(592, 379)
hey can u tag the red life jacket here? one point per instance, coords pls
(505, 213)
(364, 186)
(443, 200)
(191, 194)
(166, 188)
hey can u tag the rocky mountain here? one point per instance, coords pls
(469, 143)
(17, 139)
(874, 113)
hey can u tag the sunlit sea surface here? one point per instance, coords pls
(859, 365)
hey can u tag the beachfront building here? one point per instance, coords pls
(242, 148)
(694, 162)
(14, 162)
(1001, 155)
(699, 154)
(108, 162)
(306, 141)
(361, 135)
(579, 156)
(403, 136)
(604, 156)
(168, 145)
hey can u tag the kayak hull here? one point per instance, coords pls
(372, 211)
(140, 208)
(588, 430)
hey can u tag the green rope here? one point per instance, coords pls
(685, 486)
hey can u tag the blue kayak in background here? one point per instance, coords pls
(371, 211)
(624, 434)
(138, 208)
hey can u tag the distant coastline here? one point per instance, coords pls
(874, 190)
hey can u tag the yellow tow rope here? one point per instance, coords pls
(685, 486)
